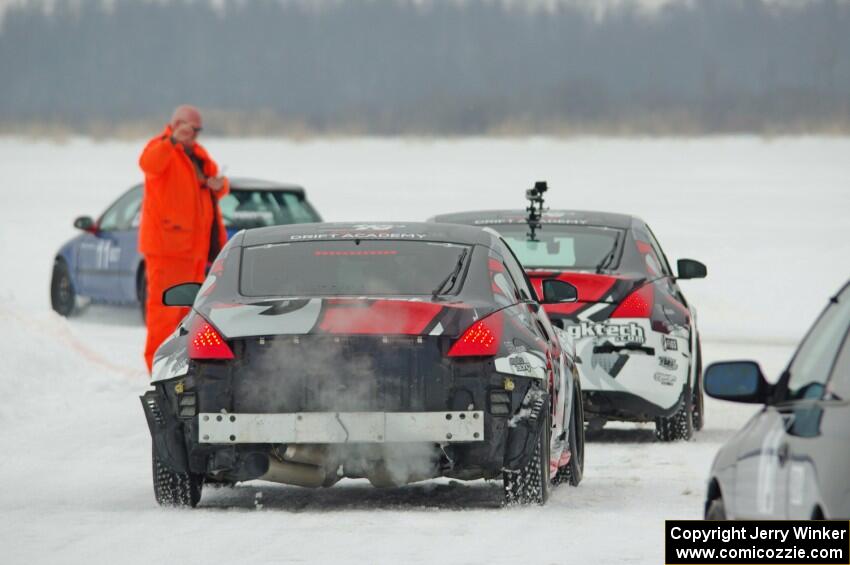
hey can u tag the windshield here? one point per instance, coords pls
(346, 268)
(246, 209)
(573, 247)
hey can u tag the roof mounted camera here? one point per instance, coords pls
(535, 207)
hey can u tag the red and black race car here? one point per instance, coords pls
(635, 333)
(392, 352)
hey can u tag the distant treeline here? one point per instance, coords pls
(439, 67)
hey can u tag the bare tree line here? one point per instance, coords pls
(448, 68)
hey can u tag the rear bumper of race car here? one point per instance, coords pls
(195, 429)
(618, 405)
(342, 427)
(631, 372)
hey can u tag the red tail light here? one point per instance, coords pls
(205, 342)
(481, 339)
(636, 305)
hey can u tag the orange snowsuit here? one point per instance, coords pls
(180, 218)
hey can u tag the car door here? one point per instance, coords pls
(540, 325)
(783, 430)
(674, 306)
(819, 439)
(108, 258)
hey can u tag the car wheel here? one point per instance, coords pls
(573, 471)
(699, 395)
(681, 424)
(175, 489)
(531, 484)
(63, 297)
(715, 510)
(142, 292)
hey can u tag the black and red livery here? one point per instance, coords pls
(635, 332)
(392, 352)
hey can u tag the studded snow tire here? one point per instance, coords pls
(679, 426)
(175, 489)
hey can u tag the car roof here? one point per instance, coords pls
(566, 217)
(372, 231)
(243, 183)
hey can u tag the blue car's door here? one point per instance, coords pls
(88, 257)
(108, 258)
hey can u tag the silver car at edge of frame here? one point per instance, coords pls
(792, 459)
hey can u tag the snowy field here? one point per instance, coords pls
(770, 219)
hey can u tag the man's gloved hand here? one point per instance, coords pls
(215, 183)
(183, 133)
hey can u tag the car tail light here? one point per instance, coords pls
(481, 339)
(636, 305)
(205, 342)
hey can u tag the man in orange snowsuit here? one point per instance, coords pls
(181, 228)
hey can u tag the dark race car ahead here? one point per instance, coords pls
(103, 262)
(395, 353)
(635, 333)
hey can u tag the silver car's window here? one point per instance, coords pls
(839, 380)
(811, 367)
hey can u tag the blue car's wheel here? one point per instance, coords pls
(63, 297)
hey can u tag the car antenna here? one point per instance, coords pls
(535, 207)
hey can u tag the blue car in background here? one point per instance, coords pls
(104, 264)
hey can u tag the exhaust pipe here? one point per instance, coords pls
(381, 476)
(298, 474)
(307, 453)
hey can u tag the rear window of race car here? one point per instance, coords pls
(347, 268)
(577, 247)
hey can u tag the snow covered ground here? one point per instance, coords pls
(770, 219)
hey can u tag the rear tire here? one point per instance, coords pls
(181, 490)
(63, 297)
(716, 510)
(679, 426)
(531, 484)
(699, 395)
(572, 472)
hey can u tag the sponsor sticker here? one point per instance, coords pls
(670, 344)
(520, 364)
(668, 363)
(551, 219)
(624, 333)
(665, 379)
(363, 235)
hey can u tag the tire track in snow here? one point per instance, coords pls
(63, 333)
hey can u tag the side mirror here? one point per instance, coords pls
(557, 291)
(85, 223)
(181, 295)
(690, 269)
(738, 381)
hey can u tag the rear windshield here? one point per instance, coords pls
(346, 268)
(246, 209)
(574, 247)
